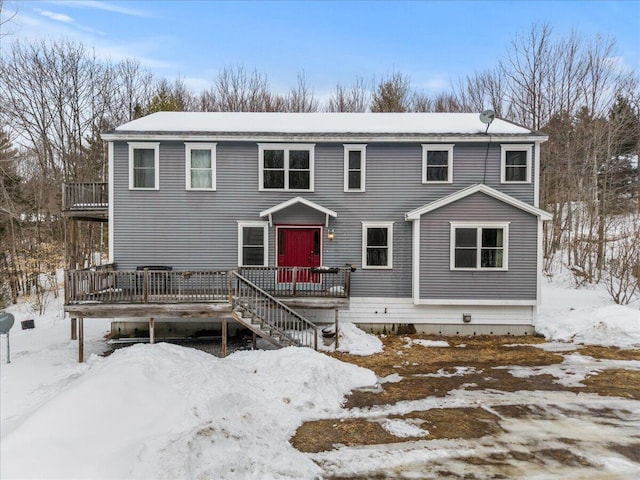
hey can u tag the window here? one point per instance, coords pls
(437, 163)
(377, 245)
(143, 166)
(516, 164)
(201, 166)
(354, 168)
(252, 243)
(286, 167)
(479, 247)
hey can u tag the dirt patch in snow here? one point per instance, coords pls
(411, 371)
(614, 383)
(609, 353)
(632, 452)
(437, 423)
(403, 356)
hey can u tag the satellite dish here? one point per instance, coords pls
(487, 116)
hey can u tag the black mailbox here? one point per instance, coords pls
(6, 322)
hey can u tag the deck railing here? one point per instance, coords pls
(146, 286)
(107, 285)
(301, 281)
(85, 196)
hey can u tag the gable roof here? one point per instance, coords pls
(482, 188)
(293, 201)
(344, 125)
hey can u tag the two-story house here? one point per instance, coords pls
(430, 219)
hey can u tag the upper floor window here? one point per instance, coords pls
(200, 166)
(479, 246)
(437, 163)
(377, 245)
(515, 165)
(253, 243)
(144, 159)
(354, 168)
(286, 167)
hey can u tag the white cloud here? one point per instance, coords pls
(435, 83)
(58, 17)
(105, 6)
(197, 85)
(32, 28)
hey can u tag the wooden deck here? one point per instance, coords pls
(147, 292)
(261, 298)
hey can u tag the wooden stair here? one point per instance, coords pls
(269, 318)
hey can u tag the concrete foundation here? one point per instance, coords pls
(180, 329)
(448, 329)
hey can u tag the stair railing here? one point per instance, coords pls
(272, 314)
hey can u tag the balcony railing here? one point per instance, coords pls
(105, 285)
(85, 196)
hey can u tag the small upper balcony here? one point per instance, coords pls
(85, 201)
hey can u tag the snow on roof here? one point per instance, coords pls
(308, 123)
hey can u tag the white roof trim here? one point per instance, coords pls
(281, 206)
(319, 138)
(478, 187)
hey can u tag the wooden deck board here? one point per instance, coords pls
(155, 310)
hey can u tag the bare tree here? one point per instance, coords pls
(301, 99)
(355, 98)
(392, 94)
(526, 68)
(421, 102)
(134, 90)
(622, 277)
(481, 91)
(236, 90)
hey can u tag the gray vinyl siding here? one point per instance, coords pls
(199, 229)
(438, 281)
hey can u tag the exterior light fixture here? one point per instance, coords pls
(331, 234)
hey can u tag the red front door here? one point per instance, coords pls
(298, 247)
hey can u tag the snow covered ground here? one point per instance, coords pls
(164, 411)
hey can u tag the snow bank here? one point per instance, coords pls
(164, 411)
(587, 316)
(355, 341)
(428, 343)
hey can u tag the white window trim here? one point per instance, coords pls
(428, 147)
(254, 223)
(363, 166)
(387, 225)
(155, 146)
(479, 226)
(504, 148)
(286, 147)
(189, 146)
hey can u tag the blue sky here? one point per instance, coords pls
(432, 42)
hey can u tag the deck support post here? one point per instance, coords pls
(81, 339)
(336, 343)
(224, 337)
(152, 331)
(74, 329)
(254, 340)
(145, 286)
(72, 245)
